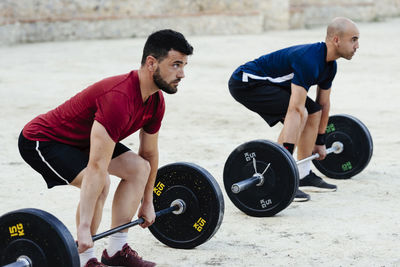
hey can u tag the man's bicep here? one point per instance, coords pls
(113, 113)
(148, 142)
(323, 96)
(303, 73)
(155, 123)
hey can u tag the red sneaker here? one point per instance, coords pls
(94, 263)
(126, 257)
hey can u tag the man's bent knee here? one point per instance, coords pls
(141, 167)
(314, 118)
(130, 166)
(145, 168)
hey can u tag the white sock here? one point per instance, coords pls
(116, 242)
(304, 169)
(87, 255)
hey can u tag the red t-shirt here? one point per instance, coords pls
(115, 102)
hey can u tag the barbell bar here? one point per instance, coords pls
(177, 207)
(189, 205)
(22, 261)
(336, 148)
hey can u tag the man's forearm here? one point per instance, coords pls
(148, 191)
(291, 126)
(92, 185)
(324, 118)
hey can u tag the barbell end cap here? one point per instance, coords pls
(338, 147)
(181, 206)
(235, 189)
(25, 260)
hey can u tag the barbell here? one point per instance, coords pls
(261, 177)
(190, 209)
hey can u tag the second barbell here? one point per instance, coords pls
(261, 177)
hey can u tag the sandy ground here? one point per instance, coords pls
(359, 225)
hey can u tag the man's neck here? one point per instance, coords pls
(331, 54)
(147, 86)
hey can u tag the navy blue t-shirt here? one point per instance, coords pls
(304, 65)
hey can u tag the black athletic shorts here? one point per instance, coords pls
(58, 163)
(269, 101)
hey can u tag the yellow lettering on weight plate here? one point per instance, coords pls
(199, 225)
(16, 230)
(158, 188)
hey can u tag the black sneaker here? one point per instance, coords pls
(301, 196)
(314, 183)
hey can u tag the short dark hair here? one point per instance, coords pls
(159, 43)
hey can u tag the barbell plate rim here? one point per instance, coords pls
(369, 140)
(190, 244)
(215, 187)
(62, 231)
(366, 131)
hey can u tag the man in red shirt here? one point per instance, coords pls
(78, 143)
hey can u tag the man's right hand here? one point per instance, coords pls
(85, 240)
(321, 150)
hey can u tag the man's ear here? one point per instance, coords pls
(151, 63)
(336, 40)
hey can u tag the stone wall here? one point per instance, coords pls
(49, 20)
(308, 13)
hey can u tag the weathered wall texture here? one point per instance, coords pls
(308, 13)
(48, 20)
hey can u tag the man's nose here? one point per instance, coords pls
(181, 74)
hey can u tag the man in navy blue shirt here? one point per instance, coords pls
(276, 85)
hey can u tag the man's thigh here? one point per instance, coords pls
(269, 101)
(58, 163)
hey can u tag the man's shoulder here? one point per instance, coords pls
(297, 52)
(118, 81)
(308, 56)
(313, 48)
(158, 99)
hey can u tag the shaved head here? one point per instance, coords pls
(339, 26)
(342, 39)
